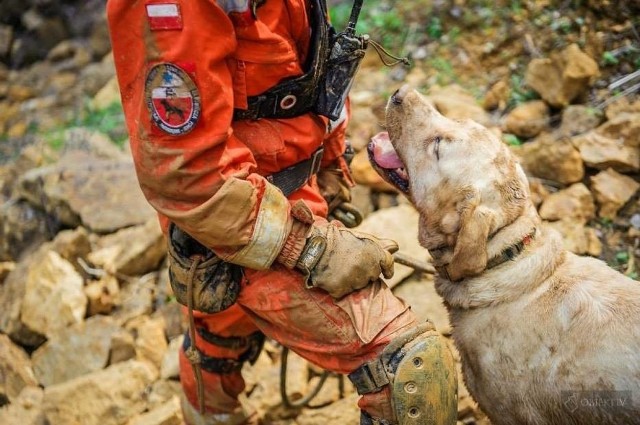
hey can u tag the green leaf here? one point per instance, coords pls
(622, 257)
(609, 58)
(434, 28)
(512, 139)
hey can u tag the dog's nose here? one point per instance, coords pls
(400, 94)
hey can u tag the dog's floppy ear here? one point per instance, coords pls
(470, 252)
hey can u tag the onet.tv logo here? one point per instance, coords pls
(574, 400)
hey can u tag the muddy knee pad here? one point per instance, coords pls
(420, 371)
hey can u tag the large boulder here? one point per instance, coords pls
(37, 288)
(107, 397)
(53, 298)
(575, 203)
(26, 409)
(528, 119)
(612, 190)
(22, 229)
(102, 195)
(562, 77)
(136, 298)
(132, 251)
(578, 238)
(150, 343)
(85, 345)
(551, 159)
(16, 371)
(624, 127)
(578, 119)
(603, 152)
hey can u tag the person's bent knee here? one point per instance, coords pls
(419, 371)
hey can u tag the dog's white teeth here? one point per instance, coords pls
(403, 173)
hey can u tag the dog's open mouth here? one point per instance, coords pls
(386, 161)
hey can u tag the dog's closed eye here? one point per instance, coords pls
(436, 149)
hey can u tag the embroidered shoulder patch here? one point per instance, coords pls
(172, 99)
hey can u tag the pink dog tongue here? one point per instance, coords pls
(384, 153)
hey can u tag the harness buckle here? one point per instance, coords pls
(316, 160)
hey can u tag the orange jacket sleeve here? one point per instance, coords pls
(175, 77)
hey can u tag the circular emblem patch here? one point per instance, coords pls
(172, 99)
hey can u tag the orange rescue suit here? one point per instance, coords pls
(211, 180)
(183, 66)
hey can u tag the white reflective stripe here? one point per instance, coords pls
(269, 233)
(162, 11)
(341, 118)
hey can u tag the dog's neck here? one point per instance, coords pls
(501, 244)
(507, 280)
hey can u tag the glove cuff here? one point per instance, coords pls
(297, 238)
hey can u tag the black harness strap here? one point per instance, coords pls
(296, 96)
(223, 366)
(293, 178)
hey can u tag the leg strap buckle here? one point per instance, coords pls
(370, 377)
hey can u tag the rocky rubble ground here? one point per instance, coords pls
(89, 331)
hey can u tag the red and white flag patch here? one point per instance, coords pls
(164, 16)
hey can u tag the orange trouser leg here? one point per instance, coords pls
(336, 335)
(221, 389)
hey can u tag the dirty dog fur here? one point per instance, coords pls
(546, 337)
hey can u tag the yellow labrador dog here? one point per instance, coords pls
(545, 336)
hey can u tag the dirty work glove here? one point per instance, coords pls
(334, 258)
(335, 185)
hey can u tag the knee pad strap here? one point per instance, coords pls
(373, 375)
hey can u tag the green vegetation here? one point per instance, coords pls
(434, 28)
(516, 7)
(622, 257)
(55, 139)
(563, 25)
(608, 58)
(519, 92)
(605, 222)
(454, 34)
(109, 120)
(446, 71)
(511, 139)
(625, 264)
(378, 18)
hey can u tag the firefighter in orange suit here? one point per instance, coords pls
(238, 177)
